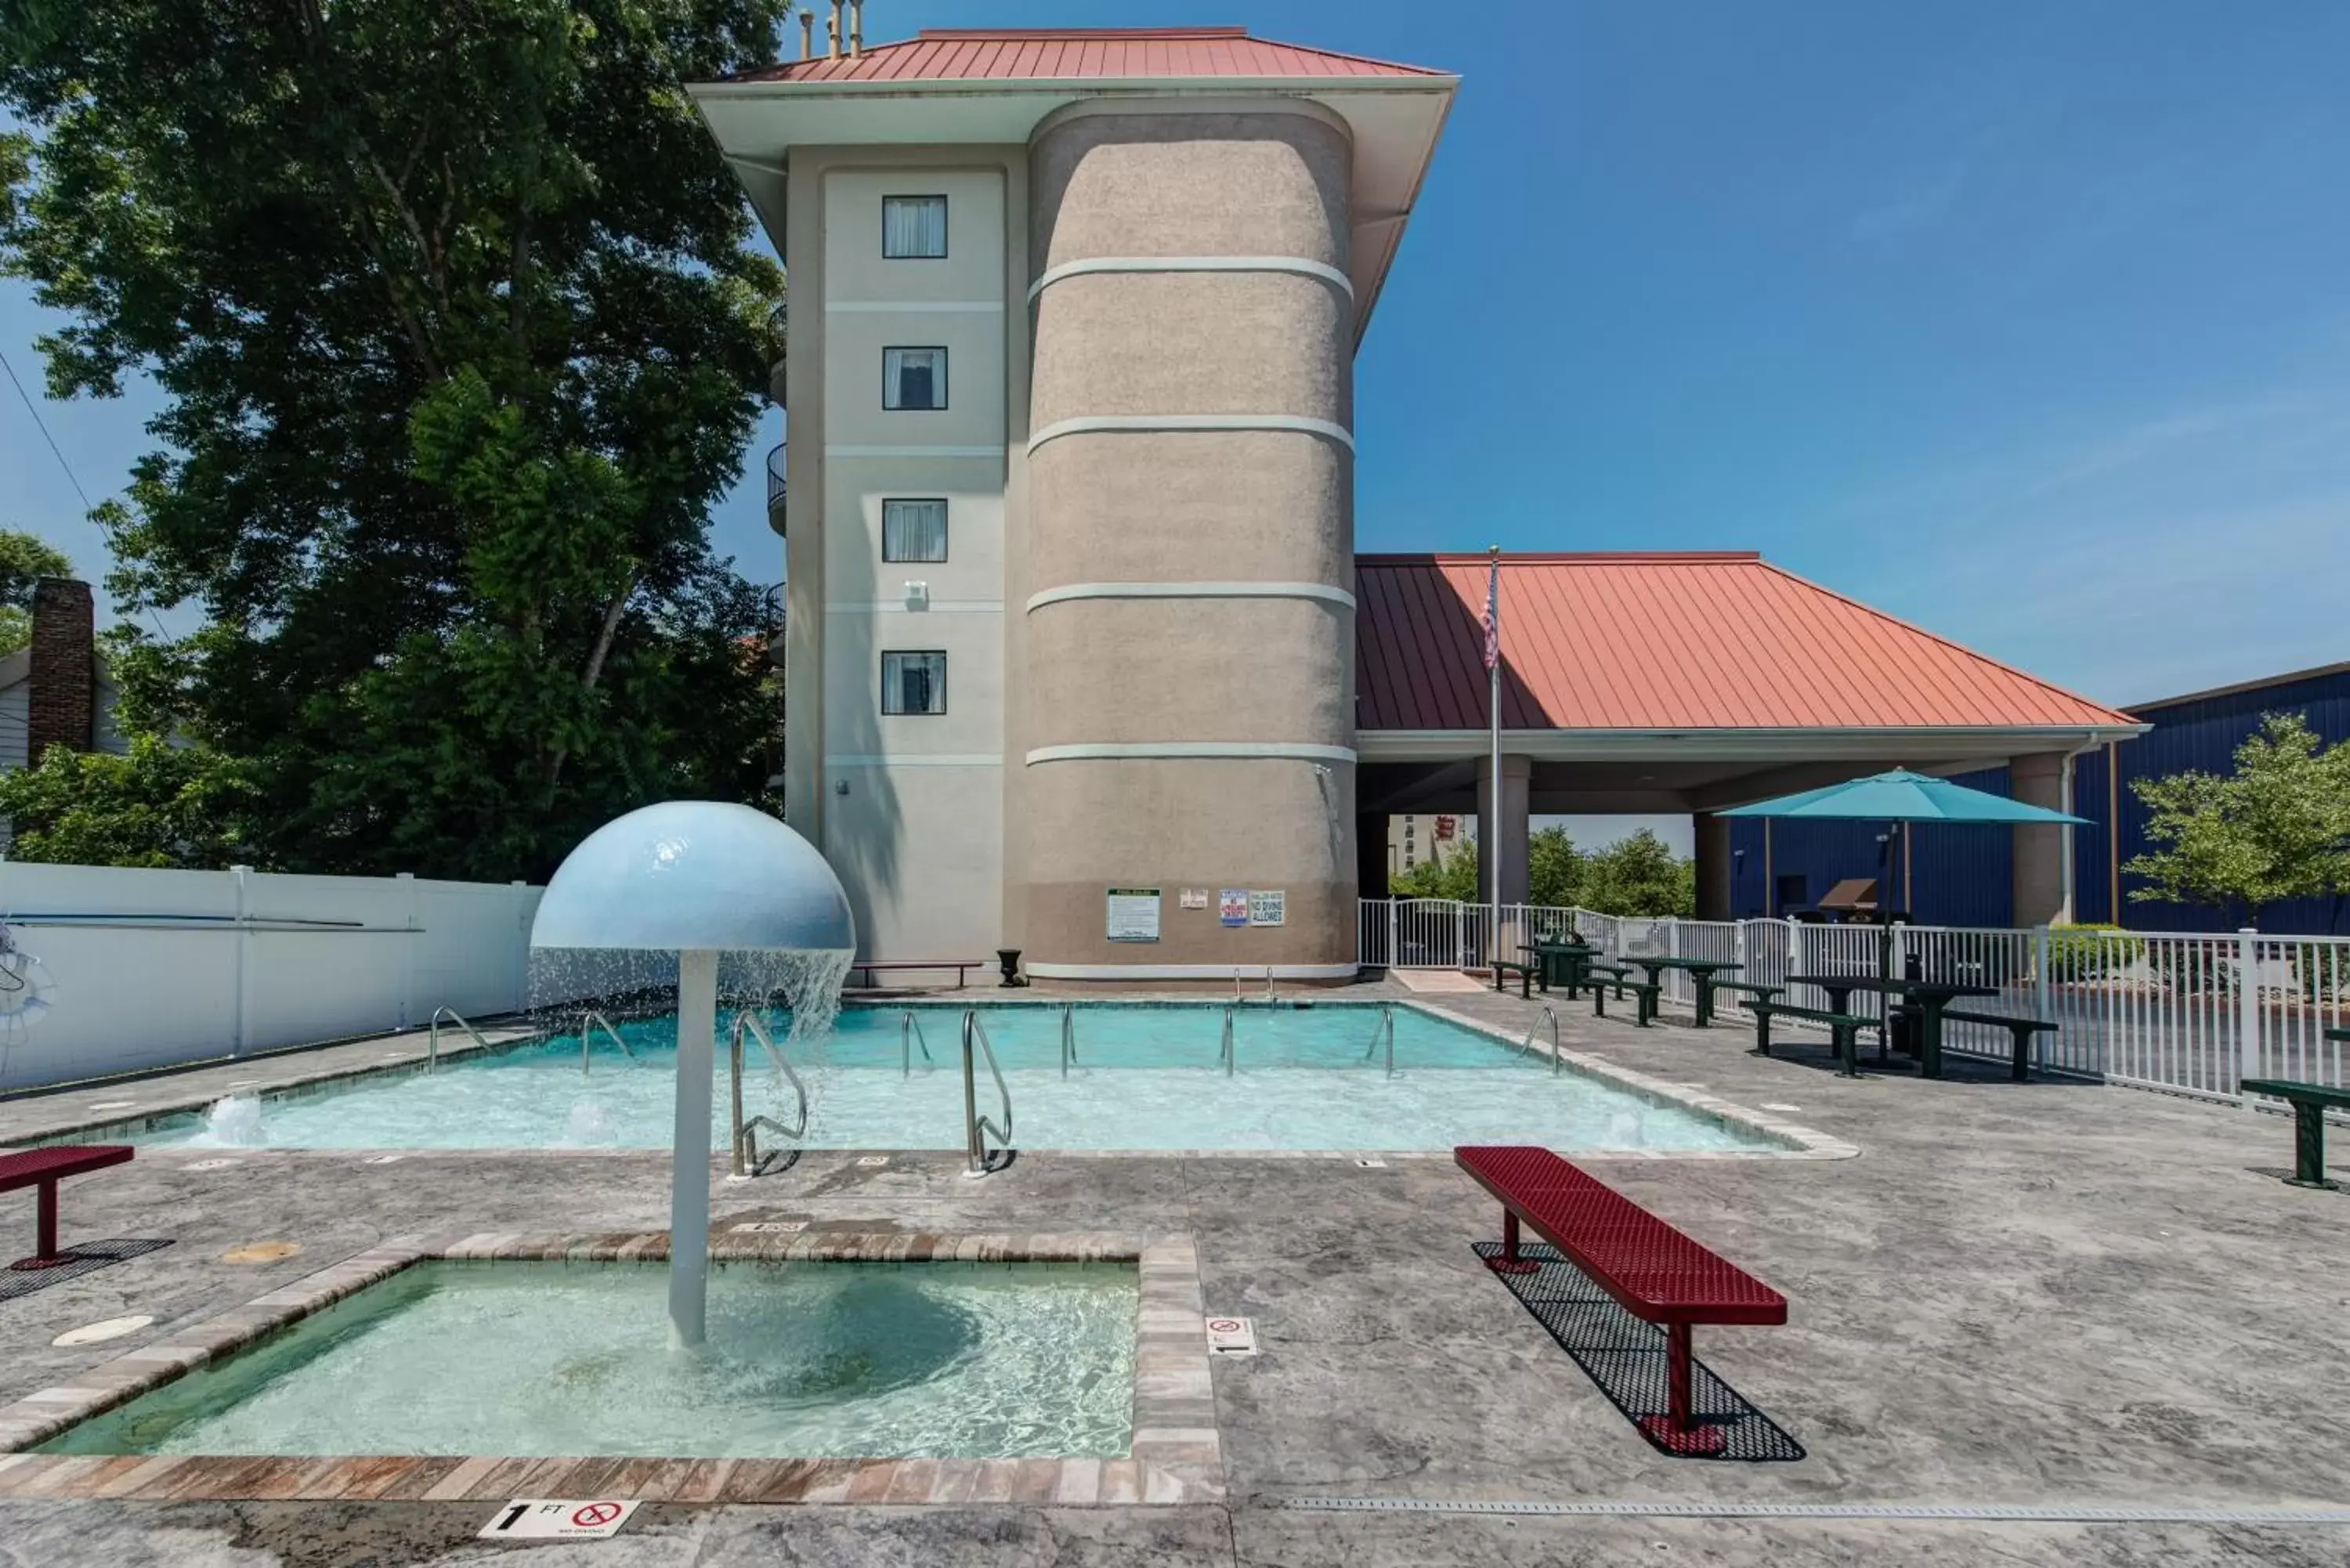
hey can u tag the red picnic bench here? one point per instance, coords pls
(1657, 1272)
(44, 1167)
(963, 966)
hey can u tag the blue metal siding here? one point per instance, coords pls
(1964, 875)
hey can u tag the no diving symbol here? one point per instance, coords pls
(557, 1518)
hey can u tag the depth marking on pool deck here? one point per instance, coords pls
(2016, 1513)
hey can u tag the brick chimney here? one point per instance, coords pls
(63, 702)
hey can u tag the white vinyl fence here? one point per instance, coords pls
(152, 969)
(2192, 1015)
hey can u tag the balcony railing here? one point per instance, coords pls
(776, 477)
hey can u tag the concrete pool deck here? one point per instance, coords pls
(2020, 1295)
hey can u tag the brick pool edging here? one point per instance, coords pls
(1176, 1454)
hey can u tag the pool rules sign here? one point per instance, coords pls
(1133, 914)
(557, 1518)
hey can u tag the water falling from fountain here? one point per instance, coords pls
(234, 1122)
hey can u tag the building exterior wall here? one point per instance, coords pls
(1188, 547)
(908, 808)
(2200, 732)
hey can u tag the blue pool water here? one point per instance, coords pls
(1146, 1077)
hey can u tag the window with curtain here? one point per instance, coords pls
(913, 227)
(914, 377)
(913, 530)
(913, 684)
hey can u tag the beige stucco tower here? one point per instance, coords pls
(1070, 665)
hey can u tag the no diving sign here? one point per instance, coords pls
(1231, 1337)
(557, 1518)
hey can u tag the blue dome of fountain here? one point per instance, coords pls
(690, 874)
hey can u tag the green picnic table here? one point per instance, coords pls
(2310, 1103)
(1930, 997)
(1563, 963)
(1701, 971)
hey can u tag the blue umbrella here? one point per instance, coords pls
(1902, 796)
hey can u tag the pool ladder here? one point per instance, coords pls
(433, 1035)
(1068, 1037)
(980, 1160)
(591, 1020)
(1383, 1030)
(748, 1160)
(1271, 994)
(1526, 1046)
(910, 1034)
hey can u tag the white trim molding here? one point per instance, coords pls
(912, 307)
(1065, 594)
(1092, 266)
(1251, 751)
(1162, 424)
(994, 451)
(916, 760)
(1190, 971)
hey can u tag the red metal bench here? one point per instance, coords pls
(1659, 1274)
(44, 1167)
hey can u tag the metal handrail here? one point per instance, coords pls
(909, 1031)
(1068, 1037)
(433, 1035)
(748, 1160)
(1228, 1052)
(977, 1127)
(599, 1020)
(777, 471)
(1270, 993)
(1384, 1026)
(1526, 1046)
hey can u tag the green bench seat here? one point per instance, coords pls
(2310, 1103)
(1503, 969)
(2021, 1029)
(1844, 1030)
(1619, 975)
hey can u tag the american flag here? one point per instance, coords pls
(1493, 614)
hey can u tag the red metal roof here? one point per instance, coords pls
(1709, 640)
(1037, 54)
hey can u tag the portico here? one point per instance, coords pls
(1665, 683)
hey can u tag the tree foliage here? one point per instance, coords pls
(2277, 828)
(1634, 876)
(24, 560)
(459, 338)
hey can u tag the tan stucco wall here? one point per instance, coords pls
(1188, 507)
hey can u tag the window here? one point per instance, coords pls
(913, 684)
(913, 228)
(913, 530)
(914, 377)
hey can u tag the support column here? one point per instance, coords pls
(2042, 870)
(1712, 866)
(1371, 855)
(1501, 829)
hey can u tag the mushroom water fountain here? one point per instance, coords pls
(700, 878)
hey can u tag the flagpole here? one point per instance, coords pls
(1493, 719)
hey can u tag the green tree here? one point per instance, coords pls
(24, 560)
(459, 336)
(1554, 868)
(159, 806)
(1639, 876)
(2277, 828)
(1452, 874)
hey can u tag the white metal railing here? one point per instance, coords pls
(2189, 1013)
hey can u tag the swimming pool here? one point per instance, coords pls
(815, 1360)
(1144, 1076)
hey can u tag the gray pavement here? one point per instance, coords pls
(2042, 1293)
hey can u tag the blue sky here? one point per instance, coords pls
(2028, 322)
